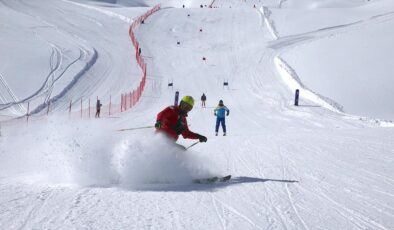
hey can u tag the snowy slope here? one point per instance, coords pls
(67, 51)
(322, 51)
(304, 167)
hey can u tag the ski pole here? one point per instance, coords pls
(192, 145)
(145, 127)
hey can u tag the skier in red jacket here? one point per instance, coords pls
(172, 121)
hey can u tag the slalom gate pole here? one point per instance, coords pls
(192, 145)
(135, 128)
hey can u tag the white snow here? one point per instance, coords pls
(326, 164)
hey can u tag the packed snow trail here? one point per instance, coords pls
(293, 167)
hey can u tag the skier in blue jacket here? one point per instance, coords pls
(221, 112)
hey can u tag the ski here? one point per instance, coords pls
(211, 180)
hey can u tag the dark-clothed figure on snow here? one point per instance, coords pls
(98, 107)
(203, 99)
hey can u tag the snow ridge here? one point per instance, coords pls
(76, 78)
(103, 11)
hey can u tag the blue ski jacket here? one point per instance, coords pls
(220, 111)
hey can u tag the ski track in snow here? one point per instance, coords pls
(55, 62)
(88, 54)
(347, 213)
(220, 218)
(267, 190)
(13, 97)
(291, 201)
(290, 166)
(39, 203)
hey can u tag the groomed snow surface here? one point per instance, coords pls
(326, 164)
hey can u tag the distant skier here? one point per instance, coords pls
(172, 121)
(221, 112)
(98, 107)
(203, 99)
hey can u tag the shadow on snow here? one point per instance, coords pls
(203, 187)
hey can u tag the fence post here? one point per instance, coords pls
(49, 104)
(69, 110)
(297, 95)
(125, 102)
(133, 97)
(121, 102)
(28, 110)
(89, 107)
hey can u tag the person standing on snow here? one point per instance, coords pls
(220, 113)
(172, 121)
(98, 107)
(203, 99)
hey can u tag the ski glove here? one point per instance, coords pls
(158, 124)
(202, 138)
(228, 112)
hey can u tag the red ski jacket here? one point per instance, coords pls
(174, 123)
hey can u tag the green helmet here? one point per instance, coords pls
(188, 100)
